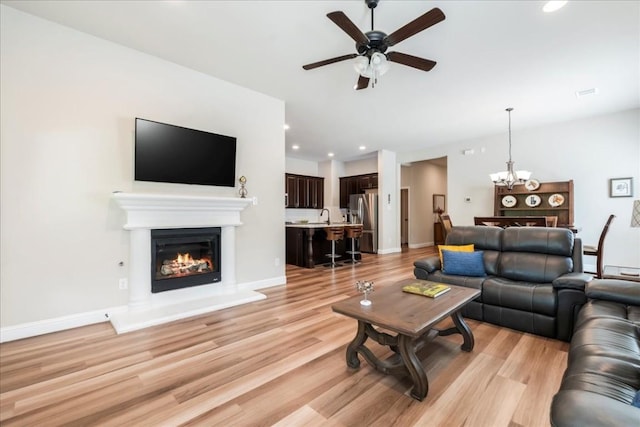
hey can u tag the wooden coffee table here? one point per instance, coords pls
(412, 318)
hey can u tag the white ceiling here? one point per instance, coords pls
(491, 55)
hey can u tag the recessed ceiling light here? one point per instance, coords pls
(286, 126)
(295, 146)
(587, 92)
(330, 154)
(362, 147)
(552, 6)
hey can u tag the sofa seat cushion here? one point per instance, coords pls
(607, 337)
(530, 297)
(607, 376)
(466, 281)
(601, 308)
(578, 408)
(603, 385)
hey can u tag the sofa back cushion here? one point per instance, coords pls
(542, 240)
(536, 254)
(486, 239)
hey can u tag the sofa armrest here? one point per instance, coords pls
(620, 291)
(429, 264)
(575, 281)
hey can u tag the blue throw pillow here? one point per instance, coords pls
(463, 263)
(636, 400)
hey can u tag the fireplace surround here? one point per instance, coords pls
(148, 211)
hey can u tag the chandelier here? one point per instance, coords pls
(509, 178)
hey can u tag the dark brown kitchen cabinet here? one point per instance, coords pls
(356, 184)
(303, 191)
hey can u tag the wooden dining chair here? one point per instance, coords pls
(552, 221)
(445, 220)
(597, 251)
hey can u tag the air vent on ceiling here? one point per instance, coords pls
(587, 92)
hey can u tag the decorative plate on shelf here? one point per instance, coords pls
(509, 201)
(533, 200)
(532, 184)
(556, 200)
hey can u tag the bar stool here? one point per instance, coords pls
(334, 234)
(353, 232)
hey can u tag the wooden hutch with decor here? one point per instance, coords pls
(536, 199)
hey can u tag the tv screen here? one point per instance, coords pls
(168, 153)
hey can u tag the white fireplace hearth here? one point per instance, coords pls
(145, 212)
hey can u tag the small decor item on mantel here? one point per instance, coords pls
(365, 287)
(243, 191)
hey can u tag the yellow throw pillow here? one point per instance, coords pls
(454, 248)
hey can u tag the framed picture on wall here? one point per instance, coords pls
(621, 187)
(439, 203)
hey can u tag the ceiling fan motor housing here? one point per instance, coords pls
(376, 43)
(371, 4)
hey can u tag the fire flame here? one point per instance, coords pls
(185, 259)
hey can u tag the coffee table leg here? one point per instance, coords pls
(464, 330)
(461, 328)
(352, 353)
(413, 365)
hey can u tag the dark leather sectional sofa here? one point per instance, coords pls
(535, 284)
(534, 280)
(603, 368)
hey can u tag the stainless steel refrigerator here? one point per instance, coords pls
(364, 209)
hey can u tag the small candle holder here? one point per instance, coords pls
(243, 191)
(365, 287)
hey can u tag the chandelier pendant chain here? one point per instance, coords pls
(509, 110)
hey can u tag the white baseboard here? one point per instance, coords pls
(420, 245)
(41, 327)
(264, 283)
(46, 326)
(389, 251)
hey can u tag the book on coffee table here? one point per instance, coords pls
(427, 289)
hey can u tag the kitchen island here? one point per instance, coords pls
(307, 244)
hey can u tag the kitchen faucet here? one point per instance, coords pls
(328, 215)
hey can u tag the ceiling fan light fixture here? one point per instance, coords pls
(361, 64)
(379, 63)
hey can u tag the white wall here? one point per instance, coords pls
(361, 167)
(588, 151)
(68, 104)
(300, 167)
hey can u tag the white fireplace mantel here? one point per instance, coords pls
(153, 211)
(147, 211)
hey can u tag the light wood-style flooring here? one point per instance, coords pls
(276, 362)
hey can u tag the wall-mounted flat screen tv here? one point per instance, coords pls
(168, 153)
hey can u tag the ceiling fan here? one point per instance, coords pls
(372, 57)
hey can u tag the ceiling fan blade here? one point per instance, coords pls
(411, 61)
(329, 61)
(363, 83)
(423, 22)
(342, 21)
